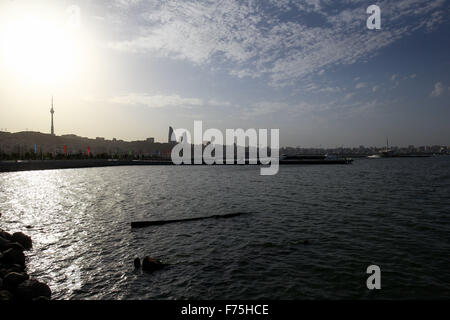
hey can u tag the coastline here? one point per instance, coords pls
(32, 165)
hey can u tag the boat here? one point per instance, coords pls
(387, 153)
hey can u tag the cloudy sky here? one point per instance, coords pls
(131, 68)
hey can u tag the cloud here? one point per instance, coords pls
(411, 76)
(348, 96)
(263, 108)
(156, 101)
(123, 4)
(361, 85)
(251, 39)
(219, 103)
(316, 88)
(162, 101)
(290, 110)
(438, 89)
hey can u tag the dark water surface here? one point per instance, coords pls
(394, 213)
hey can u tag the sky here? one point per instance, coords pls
(128, 69)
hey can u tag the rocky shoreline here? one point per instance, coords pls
(15, 283)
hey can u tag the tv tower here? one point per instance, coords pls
(52, 111)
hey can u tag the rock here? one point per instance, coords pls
(4, 244)
(41, 298)
(5, 295)
(137, 263)
(5, 269)
(14, 268)
(150, 264)
(5, 235)
(17, 246)
(30, 289)
(13, 279)
(24, 291)
(40, 289)
(23, 239)
(13, 256)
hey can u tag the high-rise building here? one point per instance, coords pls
(172, 137)
(52, 111)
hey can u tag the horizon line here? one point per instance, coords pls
(285, 146)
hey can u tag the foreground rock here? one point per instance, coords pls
(4, 244)
(13, 256)
(5, 295)
(15, 283)
(149, 264)
(31, 289)
(13, 279)
(5, 269)
(5, 235)
(23, 239)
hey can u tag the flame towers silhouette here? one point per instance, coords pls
(52, 111)
(171, 136)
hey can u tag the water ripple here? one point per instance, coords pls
(390, 212)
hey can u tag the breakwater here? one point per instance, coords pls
(15, 283)
(30, 165)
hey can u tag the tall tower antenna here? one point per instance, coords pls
(52, 111)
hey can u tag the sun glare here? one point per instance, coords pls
(39, 47)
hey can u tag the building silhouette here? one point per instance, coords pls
(171, 137)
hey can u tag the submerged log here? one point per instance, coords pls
(143, 224)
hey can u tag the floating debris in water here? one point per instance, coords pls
(143, 224)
